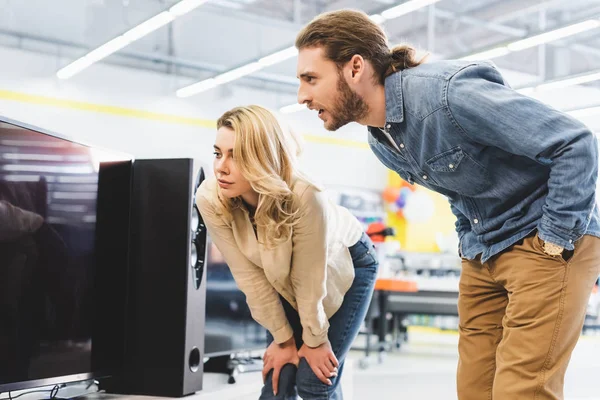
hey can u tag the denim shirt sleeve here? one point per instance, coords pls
(484, 109)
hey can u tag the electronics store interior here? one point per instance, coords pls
(294, 199)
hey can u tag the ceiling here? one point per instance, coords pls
(224, 34)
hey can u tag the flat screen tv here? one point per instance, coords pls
(63, 257)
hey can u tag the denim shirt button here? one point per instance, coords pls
(425, 177)
(475, 221)
(401, 145)
(388, 126)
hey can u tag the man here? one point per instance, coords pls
(519, 175)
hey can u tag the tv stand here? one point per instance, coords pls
(233, 366)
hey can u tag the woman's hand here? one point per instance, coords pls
(321, 360)
(276, 356)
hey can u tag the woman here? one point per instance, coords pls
(304, 263)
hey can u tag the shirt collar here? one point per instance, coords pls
(394, 104)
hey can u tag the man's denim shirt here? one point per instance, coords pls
(507, 163)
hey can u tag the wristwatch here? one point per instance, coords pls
(553, 249)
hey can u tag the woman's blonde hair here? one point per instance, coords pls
(266, 152)
(345, 33)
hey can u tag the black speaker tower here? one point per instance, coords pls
(164, 327)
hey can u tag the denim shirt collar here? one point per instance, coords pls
(394, 106)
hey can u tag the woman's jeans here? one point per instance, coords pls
(343, 329)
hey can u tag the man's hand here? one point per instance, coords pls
(321, 360)
(276, 356)
(552, 249)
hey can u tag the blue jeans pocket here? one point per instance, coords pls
(363, 253)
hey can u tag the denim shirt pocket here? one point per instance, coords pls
(455, 170)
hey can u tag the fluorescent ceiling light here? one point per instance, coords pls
(585, 112)
(289, 52)
(197, 88)
(488, 54)
(106, 49)
(228, 4)
(377, 18)
(553, 35)
(239, 72)
(148, 26)
(293, 108)
(278, 56)
(185, 6)
(405, 8)
(528, 91)
(92, 57)
(561, 83)
(136, 33)
(535, 40)
(235, 4)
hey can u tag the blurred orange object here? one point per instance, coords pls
(396, 285)
(390, 194)
(376, 232)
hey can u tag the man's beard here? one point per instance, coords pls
(348, 107)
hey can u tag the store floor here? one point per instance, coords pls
(425, 369)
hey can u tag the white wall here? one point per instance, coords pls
(85, 117)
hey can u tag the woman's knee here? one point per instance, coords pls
(309, 385)
(286, 387)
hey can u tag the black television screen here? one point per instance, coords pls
(49, 190)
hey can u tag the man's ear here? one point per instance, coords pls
(357, 65)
